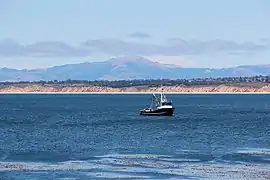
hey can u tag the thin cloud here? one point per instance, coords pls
(265, 40)
(117, 47)
(10, 48)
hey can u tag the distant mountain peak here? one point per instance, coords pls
(138, 60)
(124, 59)
(126, 67)
(172, 65)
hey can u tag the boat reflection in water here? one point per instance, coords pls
(160, 106)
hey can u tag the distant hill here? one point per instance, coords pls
(126, 68)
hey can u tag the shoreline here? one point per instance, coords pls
(178, 89)
(112, 93)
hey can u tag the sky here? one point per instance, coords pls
(189, 33)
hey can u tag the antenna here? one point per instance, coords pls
(161, 84)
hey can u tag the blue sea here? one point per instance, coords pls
(104, 137)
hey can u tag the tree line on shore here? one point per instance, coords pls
(152, 82)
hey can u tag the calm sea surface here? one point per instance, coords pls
(104, 137)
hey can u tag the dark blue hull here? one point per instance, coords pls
(158, 112)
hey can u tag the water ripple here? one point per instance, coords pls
(147, 166)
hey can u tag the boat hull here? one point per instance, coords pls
(158, 112)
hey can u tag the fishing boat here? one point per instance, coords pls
(160, 106)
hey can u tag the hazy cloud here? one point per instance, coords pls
(10, 48)
(55, 49)
(116, 47)
(213, 46)
(173, 47)
(140, 35)
(265, 40)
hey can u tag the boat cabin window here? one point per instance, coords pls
(166, 103)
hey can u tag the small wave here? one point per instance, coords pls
(179, 160)
(109, 175)
(255, 151)
(187, 150)
(132, 163)
(134, 156)
(248, 155)
(121, 166)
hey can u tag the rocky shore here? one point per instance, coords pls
(49, 88)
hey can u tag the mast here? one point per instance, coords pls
(154, 102)
(161, 93)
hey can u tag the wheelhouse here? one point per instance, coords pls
(166, 103)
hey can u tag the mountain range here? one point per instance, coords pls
(125, 68)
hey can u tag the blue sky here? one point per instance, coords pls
(145, 27)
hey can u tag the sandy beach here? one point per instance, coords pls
(79, 89)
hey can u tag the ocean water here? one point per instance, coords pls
(104, 137)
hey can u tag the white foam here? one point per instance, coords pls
(187, 150)
(134, 156)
